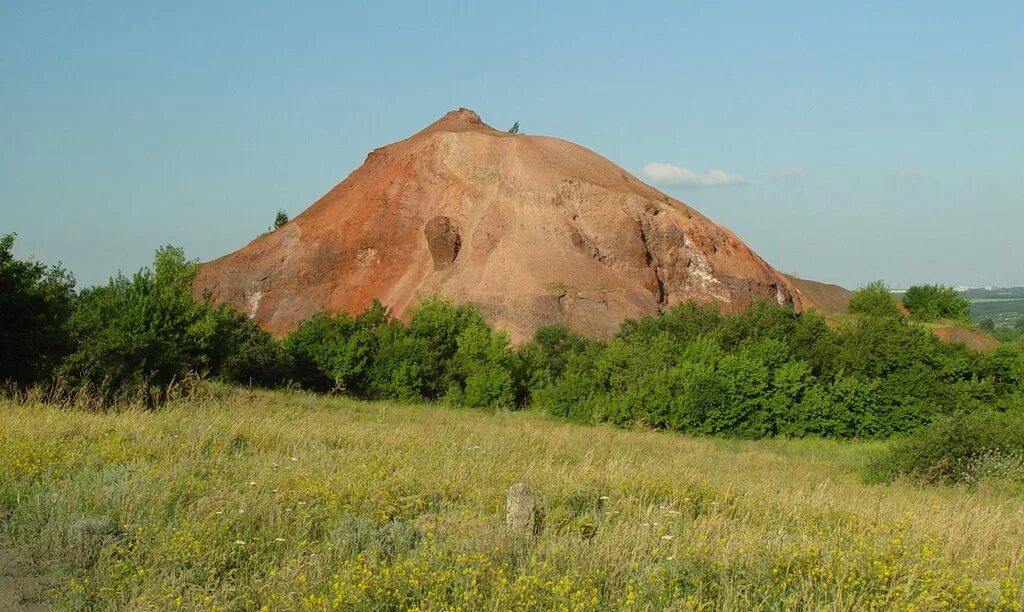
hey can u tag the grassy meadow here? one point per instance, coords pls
(249, 500)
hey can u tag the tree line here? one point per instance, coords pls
(764, 372)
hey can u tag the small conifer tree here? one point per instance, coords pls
(280, 219)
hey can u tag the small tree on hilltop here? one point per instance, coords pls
(280, 219)
(514, 129)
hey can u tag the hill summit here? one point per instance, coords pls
(532, 229)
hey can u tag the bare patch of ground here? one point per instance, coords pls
(22, 587)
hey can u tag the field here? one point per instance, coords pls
(245, 500)
(1003, 312)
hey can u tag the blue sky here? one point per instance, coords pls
(856, 141)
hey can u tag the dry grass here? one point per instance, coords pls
(247, 500)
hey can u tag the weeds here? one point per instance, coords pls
(240, 499)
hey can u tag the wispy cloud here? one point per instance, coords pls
(678, 176)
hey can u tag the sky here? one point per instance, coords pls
(844, 142)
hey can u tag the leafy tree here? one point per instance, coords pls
(404, 367)
(544, 358)
(483, 370)
(35, 304)
(514, 129)
(142, 332)
(415, 361)
(684, 322)
(337, 353)
(244, 353)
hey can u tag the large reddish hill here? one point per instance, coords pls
(532, 229)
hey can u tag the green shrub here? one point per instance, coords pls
(414, 361)
(483, 370)
(768, 372)
(36, 302)
(404, 368)
(336, 353)
(244, 353)
(932, 302)
(142, 332)
(875, 300)
(544, 358)
(961, 448)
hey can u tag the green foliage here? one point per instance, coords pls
(336, 353)
(875, 300)
(280, 219)
(144, 331)
(764, 372)
(961, 448)
(483, 369)
(932, 302)
(446, 351)
(35, 304)
(137, 336)
(1015, 333)
(769, 372)
(246, 354)
(543, 359)
(514, 129)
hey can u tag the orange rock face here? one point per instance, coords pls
(532, 229)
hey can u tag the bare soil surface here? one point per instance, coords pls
(977, 340)
(830, 300)
(22, 588)
(532, 229)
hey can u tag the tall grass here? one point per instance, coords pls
(243, 500)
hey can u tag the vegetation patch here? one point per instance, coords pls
(238, 499)
(959, 449)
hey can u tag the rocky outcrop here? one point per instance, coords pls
(532, 229)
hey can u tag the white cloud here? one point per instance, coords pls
(677, 176)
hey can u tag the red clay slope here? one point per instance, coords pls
(532, 229)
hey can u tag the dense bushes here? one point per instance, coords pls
(765, 372)
(874, 300)
(932, 302)
(444, 352)
(131, 338)
(138, 335)
(770, 372)
(35, 303)
(962, 448)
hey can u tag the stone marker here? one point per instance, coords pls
(523, 509)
